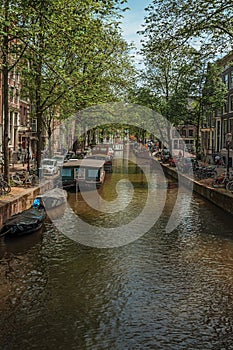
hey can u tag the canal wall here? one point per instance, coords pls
(21, 200)
(220, 197)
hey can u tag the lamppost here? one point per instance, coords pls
(228, 144)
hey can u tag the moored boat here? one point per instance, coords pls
(91, 174)
(107, 160)
(54, 202)
(87, 173)
(24, 223)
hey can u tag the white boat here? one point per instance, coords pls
(54, 202)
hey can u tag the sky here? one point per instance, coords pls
(132, 21)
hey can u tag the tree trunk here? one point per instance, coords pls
(39, 116)
(198, 146)
(50, 142)
(5, 71)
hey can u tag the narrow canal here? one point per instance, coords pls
(161, 291)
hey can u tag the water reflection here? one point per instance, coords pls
(163, 291)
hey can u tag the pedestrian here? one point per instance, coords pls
(217, 160)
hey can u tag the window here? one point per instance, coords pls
(225, 107)
(92, 173)
(231, 103)
(16, 96)
(184, 132)
(231, 125)
(34, 125)
(231, 79)
(12, 94)
(226, 80)
(16, 119)
(66, 172)
(224, 131)
(191, 132)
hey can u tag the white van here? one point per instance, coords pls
(49, 166)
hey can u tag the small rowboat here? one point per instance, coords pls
(54, 202)
(24, 223)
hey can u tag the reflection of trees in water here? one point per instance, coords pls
(23, 278)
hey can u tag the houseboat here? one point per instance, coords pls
(106, 158)
(88, 173)
(91, 174)
(105, 149)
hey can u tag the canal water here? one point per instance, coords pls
(163, 290)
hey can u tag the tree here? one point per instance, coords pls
(12, 51)
(214, 90)
(170, 76)
(70, 55)
(75, 55)
(179, 39)
(200, 22)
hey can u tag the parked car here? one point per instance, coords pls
(49, 166)
(60, 159)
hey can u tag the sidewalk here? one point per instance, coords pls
(15, 191)
(19, 167)
(218, 196)
(21, 198)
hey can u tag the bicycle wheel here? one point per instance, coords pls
(200, 175)
(229, 186)
(213, 174)
(16, 180)
(6, 187)
(28, 180)
(35, 180)
(216, 183)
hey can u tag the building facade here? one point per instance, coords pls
(218, 125)
(184, 134)
(224, 119)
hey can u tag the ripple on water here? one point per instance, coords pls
(163, 291)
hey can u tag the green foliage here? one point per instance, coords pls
(214, 90)
(206, 23)
(71, 54)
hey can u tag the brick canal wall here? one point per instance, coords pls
(220, 197)
(21, 201)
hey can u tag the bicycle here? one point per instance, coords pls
(222, 181)
(229, 186)
(24, 179)
(5, 188)
(203, 172)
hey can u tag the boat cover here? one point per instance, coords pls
(24, 222)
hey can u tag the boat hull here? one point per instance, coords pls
(24, 223)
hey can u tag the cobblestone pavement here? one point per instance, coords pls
(16, 191)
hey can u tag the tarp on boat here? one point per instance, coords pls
(24, 222)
